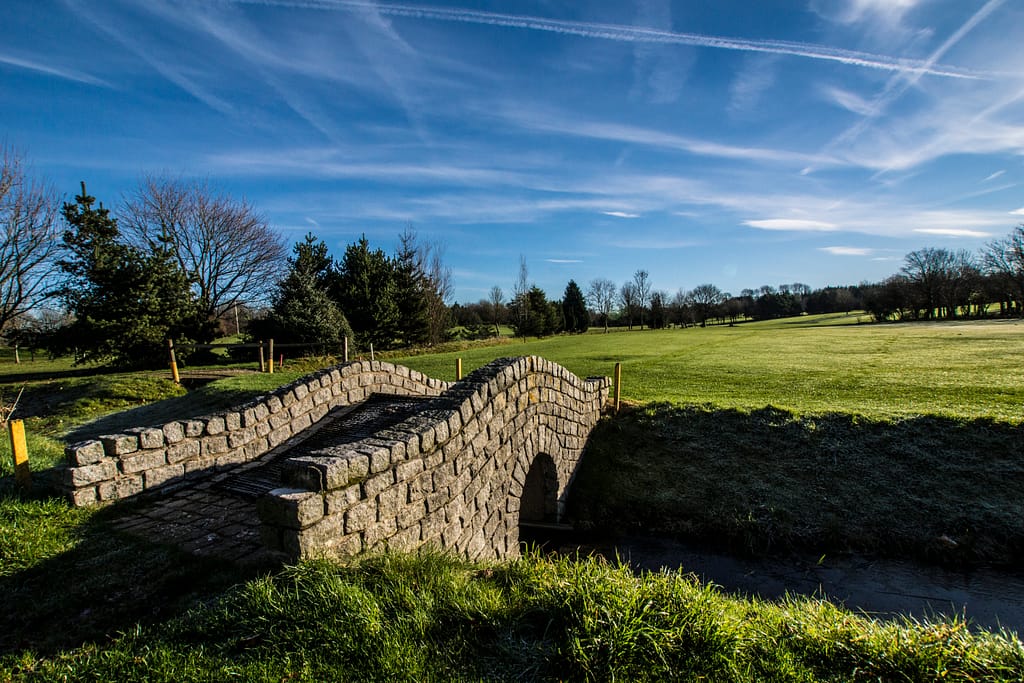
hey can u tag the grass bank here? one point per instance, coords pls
(814, 364)
(431, 617)
(765, 481)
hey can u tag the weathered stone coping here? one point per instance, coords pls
(122, 465)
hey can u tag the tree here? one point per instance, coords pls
(706, 299)
(659, 309)
(366, 293)
(1004, 261)
(629, 298)
(225, 247)
(574, 309)
(521, 300)
(642, 287)
(29, 239)
(542, 317)
(601, 294)
(929, 272)
(411, 291)
(302, 311)
(495, 299)
(127, 303)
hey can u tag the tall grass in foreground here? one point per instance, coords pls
(431, 617)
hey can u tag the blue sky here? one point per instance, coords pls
(734, 142)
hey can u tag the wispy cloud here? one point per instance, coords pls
(847, 251)
(58, 72)
(753, 80)
(637, 34)
(564, 260)
(791, 224)
(994, 176)
(621, 214)
(1018, 212)
(953, 232)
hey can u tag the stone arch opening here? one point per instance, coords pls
(538, 503)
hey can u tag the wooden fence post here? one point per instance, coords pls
(19, 449)
(174, 362)
(371, 352)
(618, 385)
(263, 364)
(344, 348)
(458, 369)
(270, 356)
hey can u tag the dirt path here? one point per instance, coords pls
(881, 588)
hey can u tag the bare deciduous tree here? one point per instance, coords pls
(496, 298)
(642, 286)
(520, 296)
(1004, 260)
(224, 246)
(629, 298)
(601, 294)
(29, 240)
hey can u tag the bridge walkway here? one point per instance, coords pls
(215, 516)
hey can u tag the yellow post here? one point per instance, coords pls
(263, 365)
(458, 369)
(174, 362)
(19, 449)
(618, 385)
(270, 360)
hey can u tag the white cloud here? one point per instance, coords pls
(953, 232)
(66, 74)
(849, 101)
(621, 214)
(848, 251)
(754, 79)
(791, 224)
(994, 176)
(1018, 212)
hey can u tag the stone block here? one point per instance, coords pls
(120, 444)
(300, 390)
(194, 428)
(411, 514)
(84, 496)
(215, 425)
(235, 457)
(405, 540)
(290, 508)
(173, 432)
(232, 421)
(301, 422)
(360, 516)
(161, 475)
(340, 500)
(280, 419)
(240, 437)
(390, 501)
(376, 533)
(358, 465)
(141, 461)
(405, 471)
(186, 450)
(377, 483)
(122, 487)
(149, 437)
(200, 464)
(274, 404)
(279, 436)
(85, 453)
(212, 445)
(77, 477)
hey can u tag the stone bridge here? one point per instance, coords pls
(460, 468)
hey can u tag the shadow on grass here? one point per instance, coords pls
(103, 584)
(767, 481)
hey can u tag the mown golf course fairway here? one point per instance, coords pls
(813, 364)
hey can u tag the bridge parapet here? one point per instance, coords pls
(454, 475)
(123, 465)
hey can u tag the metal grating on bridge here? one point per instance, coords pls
(376, 413)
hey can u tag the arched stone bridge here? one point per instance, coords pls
(461, 471)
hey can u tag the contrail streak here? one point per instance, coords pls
(633, 34)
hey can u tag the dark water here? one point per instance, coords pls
(987, 598)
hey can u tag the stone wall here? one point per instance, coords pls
(123, 465)
(451, 476)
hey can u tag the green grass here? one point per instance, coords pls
(433, 618)
(807, 364)
(767, 481)
(887, 439)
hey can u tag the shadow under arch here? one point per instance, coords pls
(538, 503)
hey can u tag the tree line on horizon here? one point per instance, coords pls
(179, 260)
